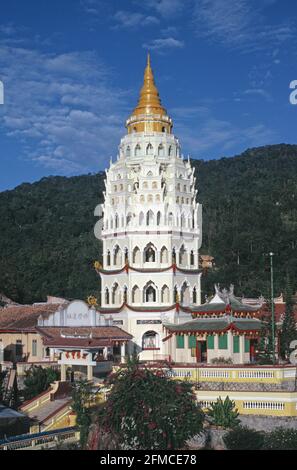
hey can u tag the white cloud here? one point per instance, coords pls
(239, 24)
(61, 108)
(166, 8)
(127, 19)
(163, 44)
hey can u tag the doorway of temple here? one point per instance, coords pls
(201, 351)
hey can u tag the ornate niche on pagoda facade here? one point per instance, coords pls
(151, 226)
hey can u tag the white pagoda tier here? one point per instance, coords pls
(151, 229)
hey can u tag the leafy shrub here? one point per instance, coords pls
(38, 379)
(281, 438)
(148, 410)
(243, 438)
(223, 413)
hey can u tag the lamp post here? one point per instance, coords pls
(272, 307)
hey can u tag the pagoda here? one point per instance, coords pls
(151, 229)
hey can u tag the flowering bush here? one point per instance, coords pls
(281, 439)
(147, 410)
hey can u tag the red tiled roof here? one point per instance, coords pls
(24, 317)
(82, 336)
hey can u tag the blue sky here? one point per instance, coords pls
(72, 70)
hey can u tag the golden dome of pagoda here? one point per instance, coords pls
(149, 114)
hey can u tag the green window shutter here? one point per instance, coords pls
(192, 341)
(246, 345)
(210, 342)
(223, 341)
(180, 341)
(236, 344)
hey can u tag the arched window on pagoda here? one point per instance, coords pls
(185, 294)
(182, 220)
(136, 298)
(170, 152)
(117, 256)
(150, 293)
(141, 218)
(129, 219)
(137, 151)
(155, 185)
(150, 253)
(164, 255)
(170, 219)
(149, 149)
(192, 258)
(165, 294)
(136, 255)
(128, 151)
(194, 295)
(161, 150)
(116, 221)
(182, 256)
(150, 219)
(107, 296)
(108, 259)
(116, 294)
(150, 340)
(159, 218)
(150, 198)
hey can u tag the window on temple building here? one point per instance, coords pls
(178, 187)
(128, 151)
(150, 198)
(180, 342)
(158, 198)
(210, 342)
(47, 352)
(155, 185)
(117, 257)
(34, 347)
(18, 348)
(107, 296)
(115, 188)
(149, 149)
(149, 254)
(116, 294)
(192, 258)
(145, 185)
(150, 294)
(136, 295)
(170, 151)
(164, 255)
(142, 198)
(185, 294)
(141, 218)
(194, 295)
(150, 340)
(159, 218)
(161, 150)
(223, 341)
(150, 218)
(137, 151)
(165, 295)
(108, 258)
(136, 255)
(116, 221)
(129, 219)
(182, 256)
(170, 219)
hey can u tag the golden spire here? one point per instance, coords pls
(149, 107)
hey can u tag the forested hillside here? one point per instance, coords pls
(47, 245)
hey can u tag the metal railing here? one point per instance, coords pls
(42, 438)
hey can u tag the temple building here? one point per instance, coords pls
(70, 335)
(151, 229)
(223, 329)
